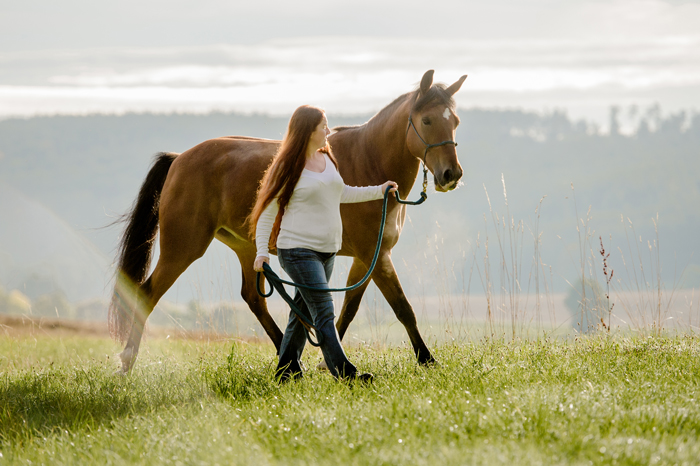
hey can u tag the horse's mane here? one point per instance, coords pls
(436, 95)
(343, 128)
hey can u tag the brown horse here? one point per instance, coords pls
(208, 191)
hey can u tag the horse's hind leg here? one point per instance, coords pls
(177, 251)
(387, 281)
(256, 302)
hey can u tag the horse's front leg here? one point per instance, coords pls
(352, 300)
(387, 281)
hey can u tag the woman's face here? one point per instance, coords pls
(320, 135)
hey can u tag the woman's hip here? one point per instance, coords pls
(310, 268)
(307, 267)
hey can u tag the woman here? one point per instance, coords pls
(298, 211)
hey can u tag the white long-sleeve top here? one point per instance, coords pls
(311, 220)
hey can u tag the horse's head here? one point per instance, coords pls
(431, 131)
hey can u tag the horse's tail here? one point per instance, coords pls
(136, 248)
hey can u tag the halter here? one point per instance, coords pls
(427, 147)
(276, 283)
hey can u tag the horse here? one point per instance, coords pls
(208, 191)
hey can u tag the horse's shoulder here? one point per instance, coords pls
(345, 138)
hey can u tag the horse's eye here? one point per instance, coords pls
(426, 121)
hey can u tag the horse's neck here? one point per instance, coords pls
(385, 141)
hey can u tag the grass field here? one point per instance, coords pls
(601, 400)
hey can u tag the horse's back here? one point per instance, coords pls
(224, 152)
(218, 178)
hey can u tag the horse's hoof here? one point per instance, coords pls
(429, 361)
(322, 366)
(127, 357)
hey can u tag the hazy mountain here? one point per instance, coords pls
(40, 253)
(88, 169)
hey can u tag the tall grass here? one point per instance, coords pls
(508, 292)
(640, 290)
(506, 259)
(646, 302)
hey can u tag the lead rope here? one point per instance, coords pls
(276, 283)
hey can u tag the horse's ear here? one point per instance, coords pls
(452, 90)
(426, 81)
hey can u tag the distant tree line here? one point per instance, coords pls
(87, 169)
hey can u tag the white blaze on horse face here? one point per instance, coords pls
(446, 114)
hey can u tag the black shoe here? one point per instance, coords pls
(288, 371)
(364, 378)
(287, 376)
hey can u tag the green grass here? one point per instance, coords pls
(601, 400)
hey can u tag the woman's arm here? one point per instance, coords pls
(352, 194)
(263, 230)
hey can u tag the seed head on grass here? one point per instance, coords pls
(608, 279)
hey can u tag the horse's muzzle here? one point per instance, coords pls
(448, 179)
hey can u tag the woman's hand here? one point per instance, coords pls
(258, 265)
(390, 184)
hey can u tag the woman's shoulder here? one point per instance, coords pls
(329, 163)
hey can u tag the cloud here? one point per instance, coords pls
(73, 24)
(624, 62)
(349, 75)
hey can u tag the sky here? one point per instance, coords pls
(81, 57)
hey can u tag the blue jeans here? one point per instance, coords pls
(312, 268)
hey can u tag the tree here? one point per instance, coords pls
(587, 308)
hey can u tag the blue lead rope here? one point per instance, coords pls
(276, 283)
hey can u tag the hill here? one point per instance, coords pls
(40, 254)
(88, 169)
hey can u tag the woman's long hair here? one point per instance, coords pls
(282, 175)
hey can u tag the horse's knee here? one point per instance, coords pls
(352, 303)
(347, 315)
